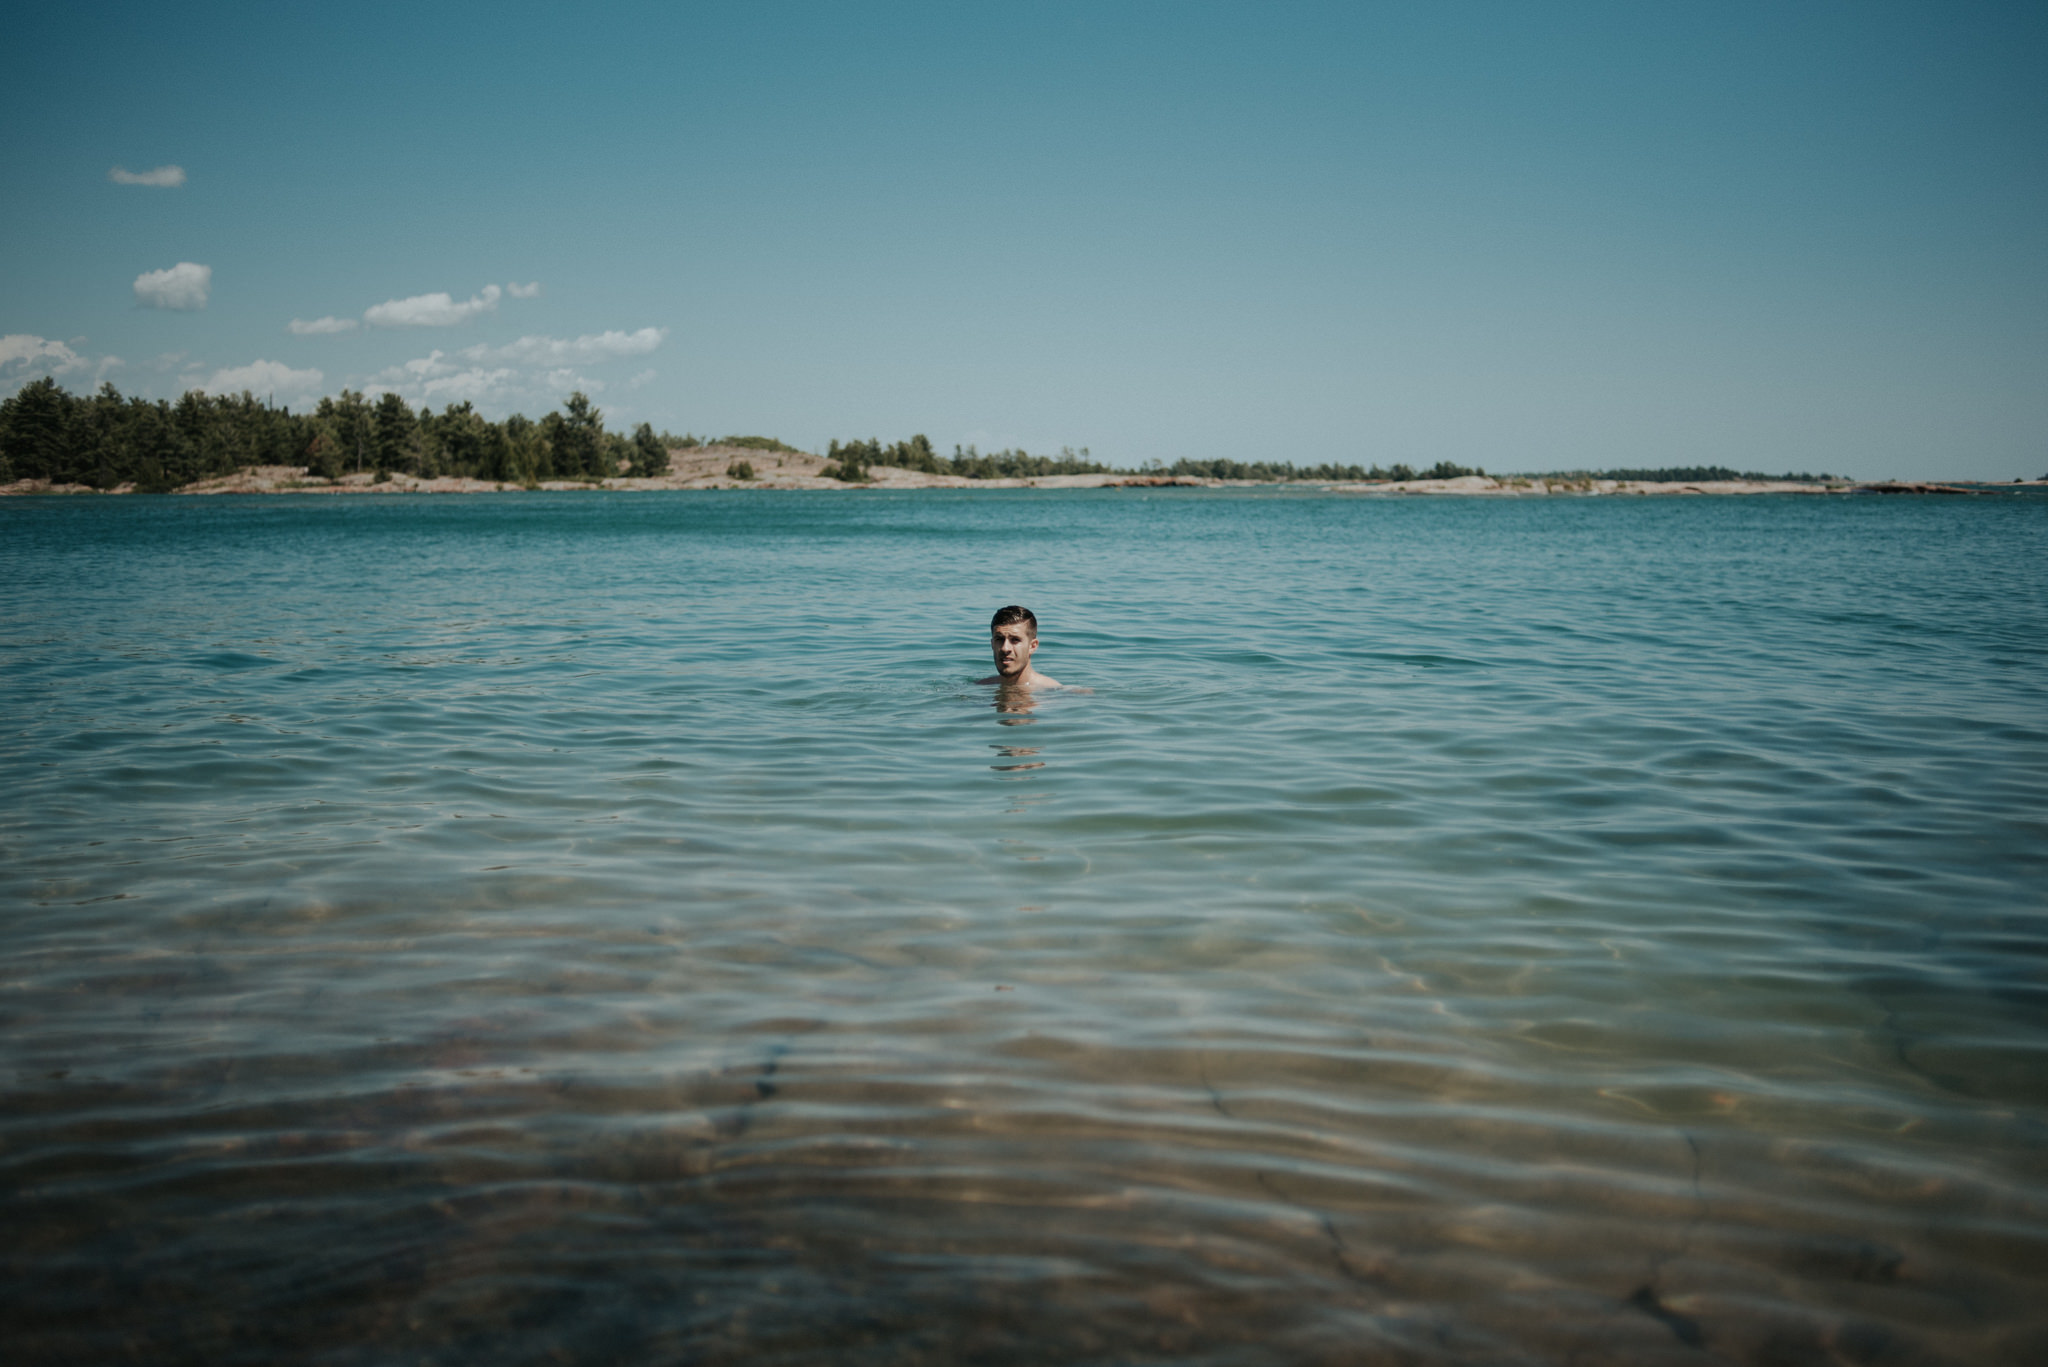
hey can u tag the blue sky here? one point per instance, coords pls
(1521, 236)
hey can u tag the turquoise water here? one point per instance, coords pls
(595, 927)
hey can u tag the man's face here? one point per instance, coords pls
(1012, 643)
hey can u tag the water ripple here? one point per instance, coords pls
(593, 927)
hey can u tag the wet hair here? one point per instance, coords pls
(1013, 613)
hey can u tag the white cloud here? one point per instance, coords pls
(24, 357)
(600, 346)
(266, 378)
(518, 291)
(642, 378)
(531, 375)
(163, 177)
(427, 365)
(321, 326)
(565, 379)
(437, 310)
(183, 286)
(431, 380)
(475, 385)
(21, 353)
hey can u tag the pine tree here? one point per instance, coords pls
(578, 438)
(650, 457)
(392, 431)
(35, 431)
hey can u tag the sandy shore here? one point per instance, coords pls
(705, 468)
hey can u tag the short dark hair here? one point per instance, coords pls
(1013, 613)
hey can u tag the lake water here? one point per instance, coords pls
(592, 928)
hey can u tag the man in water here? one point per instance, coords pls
(1012, 636)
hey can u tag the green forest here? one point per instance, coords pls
(850, 461)
(104, 440)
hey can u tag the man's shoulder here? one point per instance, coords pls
(1032, 681)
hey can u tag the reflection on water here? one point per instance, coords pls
(1644, 969)
(1015, 703)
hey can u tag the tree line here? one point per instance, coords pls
(852, 460)
(1269, 470)
(1689, 474)
(104, 440)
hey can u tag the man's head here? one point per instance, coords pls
(1012, 636)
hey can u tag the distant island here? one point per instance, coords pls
(52, 441)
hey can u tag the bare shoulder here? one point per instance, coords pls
(1036, 681)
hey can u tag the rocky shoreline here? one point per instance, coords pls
(707, 467)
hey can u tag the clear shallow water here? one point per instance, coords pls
(588, 927)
